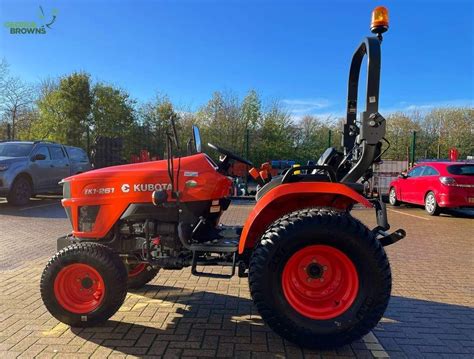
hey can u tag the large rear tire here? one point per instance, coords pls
(84, 284)
(319, 278)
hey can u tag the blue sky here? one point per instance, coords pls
(297, 52)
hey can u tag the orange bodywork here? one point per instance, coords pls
(115, 188)
(289, 197)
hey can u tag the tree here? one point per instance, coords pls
(251, 114)
(155, 123)
(400, 128)
(222, 121)
(251, 109)
(449, 127)
(64, 111)
(4, 73)
(275, 136)
(16, 97)
(113, 115)
(313, 135)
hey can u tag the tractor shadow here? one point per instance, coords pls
(422, 328)
(177, 321)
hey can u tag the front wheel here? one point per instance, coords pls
(319, 278)
(21, 192)
(84, 284)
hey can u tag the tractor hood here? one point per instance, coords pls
(130, 178)
(138, 180)
(111, 190)
(141, 170)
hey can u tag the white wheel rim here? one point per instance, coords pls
(430, 203)
(392, 196)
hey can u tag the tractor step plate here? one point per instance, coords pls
(226, 240)
(224, 245)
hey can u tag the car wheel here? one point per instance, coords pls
(392, 197)
(431, 206)
(20, 192)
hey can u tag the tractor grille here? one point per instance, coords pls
(87, 217)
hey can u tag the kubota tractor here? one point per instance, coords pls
(318, 276)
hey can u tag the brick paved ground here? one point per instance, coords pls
(430, 315)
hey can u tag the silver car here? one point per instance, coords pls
(28, 168)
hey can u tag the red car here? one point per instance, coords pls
(436, 185)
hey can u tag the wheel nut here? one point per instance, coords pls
(321, 279)
(325, 267)
(309, 279)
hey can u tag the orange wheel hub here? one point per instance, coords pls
(79, 288)
(320, 282)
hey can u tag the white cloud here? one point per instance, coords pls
(325, 110)
(301, 107)
(405, 106)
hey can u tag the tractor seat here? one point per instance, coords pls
(330, 157)
(276, 181)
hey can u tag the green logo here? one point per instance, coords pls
(46, 21)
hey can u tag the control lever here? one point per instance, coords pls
(267, 167)
(256, 176)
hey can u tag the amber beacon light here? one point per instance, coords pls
(379, 23)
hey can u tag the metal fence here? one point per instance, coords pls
(384, 173)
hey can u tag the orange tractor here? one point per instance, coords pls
(318, 276)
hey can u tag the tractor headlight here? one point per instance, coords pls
(3, 167)
(87, 217)
(66, 189)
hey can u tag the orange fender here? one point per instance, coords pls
(290, 197)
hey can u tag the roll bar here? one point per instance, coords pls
(372, 126)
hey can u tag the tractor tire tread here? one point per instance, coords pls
(113, 266)
(329, 218)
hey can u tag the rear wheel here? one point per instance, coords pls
(319, 278)
(21, 192)
(392, 197)
(84, 284)
(431, 206)
(140, 274)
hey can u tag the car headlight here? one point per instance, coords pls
(3, 167)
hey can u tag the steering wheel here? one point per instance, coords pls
(229, 155)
